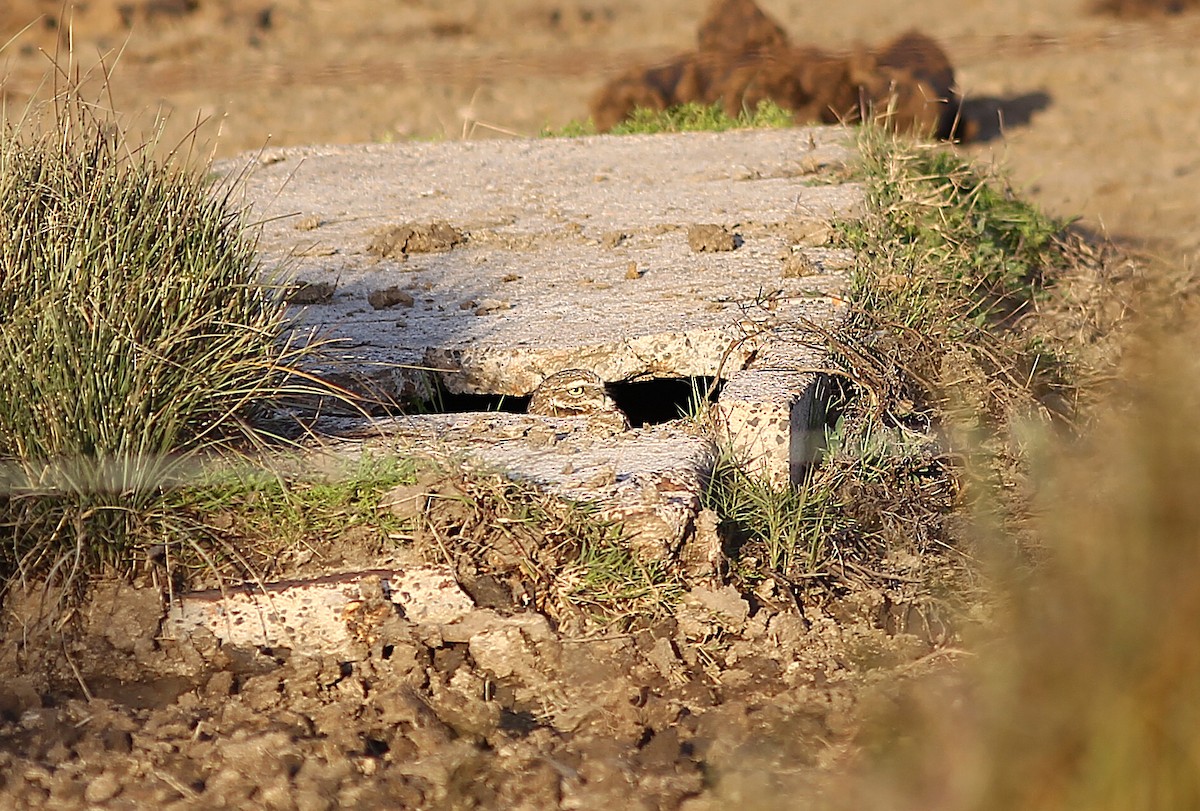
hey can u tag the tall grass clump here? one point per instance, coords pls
(136, 333)
(953, 269)
(947, 343)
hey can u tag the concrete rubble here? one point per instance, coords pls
(483, 267)
(324, 614)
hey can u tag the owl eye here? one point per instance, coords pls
(575, 391)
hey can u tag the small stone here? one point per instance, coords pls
(389, 297)
(309, 223)
(102, 788)
(612, 239)
(809, 233)
(797, 266)
(510, 277)
(305, 292)
(706, 237)
(491, 305)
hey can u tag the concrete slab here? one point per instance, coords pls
(485, 267)
(572, 252)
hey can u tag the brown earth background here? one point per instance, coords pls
(1094, 115)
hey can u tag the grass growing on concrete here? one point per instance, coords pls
(247, 521)
(249, 515)
(136, 335)
(940, 354)
(689, 117)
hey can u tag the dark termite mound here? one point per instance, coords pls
(745, 56)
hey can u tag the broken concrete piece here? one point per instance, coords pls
(648, 479)
(771, 416)
(325, 614)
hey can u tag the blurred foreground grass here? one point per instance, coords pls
(1083, 691)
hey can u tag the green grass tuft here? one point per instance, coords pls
(943, 246)
(689, 117)
(136, 334)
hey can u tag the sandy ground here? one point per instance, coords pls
(744, 699)
(1095, 117)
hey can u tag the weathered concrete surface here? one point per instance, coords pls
(325, 614)
(492, 265)
(771, 415)
(648, 479)
(344, 613)
(575, 252)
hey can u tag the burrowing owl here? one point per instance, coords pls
(578, 393)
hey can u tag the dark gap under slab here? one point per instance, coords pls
(645, 402)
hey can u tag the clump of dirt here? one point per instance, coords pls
(305, 292)
(397, 241)
(745, 57)
(739, 27)
(1145, 8)
(390, 297)
(707, 237)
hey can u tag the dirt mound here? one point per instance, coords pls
(739, 27)
(519, 700)
(505, 709)
(1145, 8)
(744, 57)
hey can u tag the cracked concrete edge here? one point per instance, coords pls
(771, 416)
(517, 371)
(650, 480)
(343, 614)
